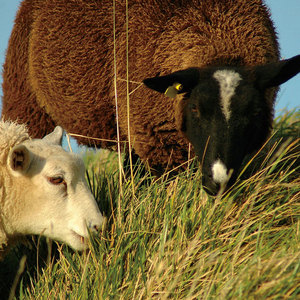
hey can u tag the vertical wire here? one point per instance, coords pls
(127, 96)
(117, 113)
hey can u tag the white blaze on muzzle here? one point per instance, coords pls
(219, 172)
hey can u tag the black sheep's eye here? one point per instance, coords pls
(57, 180)
(194, 108)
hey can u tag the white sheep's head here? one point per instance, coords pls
(48, 193)
(225, 112)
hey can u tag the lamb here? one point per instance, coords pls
(218, 58)
(43, 190)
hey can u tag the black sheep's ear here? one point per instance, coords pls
(174, 83)
(274, 74)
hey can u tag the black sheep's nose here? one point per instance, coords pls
(209, 185)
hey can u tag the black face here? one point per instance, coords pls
(226, 112)
(225, 120)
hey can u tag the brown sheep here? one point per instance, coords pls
(59, 69)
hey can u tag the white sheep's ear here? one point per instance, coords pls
(274, 74)
(19, 159)
(54, 137)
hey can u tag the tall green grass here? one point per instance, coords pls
(166, 239)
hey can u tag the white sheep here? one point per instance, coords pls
(43, 190)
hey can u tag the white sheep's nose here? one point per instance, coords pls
(96, 225)
(94, 228)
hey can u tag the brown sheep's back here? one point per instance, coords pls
(66, 66)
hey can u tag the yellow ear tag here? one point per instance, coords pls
(173, 90)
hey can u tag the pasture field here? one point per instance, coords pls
(166, 239)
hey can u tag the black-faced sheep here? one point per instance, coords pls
(60, 69)
(43, 190)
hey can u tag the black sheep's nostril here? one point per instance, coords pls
(209, 185)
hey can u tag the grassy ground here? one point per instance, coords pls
(166, 239)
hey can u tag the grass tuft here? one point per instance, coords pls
(172, 241)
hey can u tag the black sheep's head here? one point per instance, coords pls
(227, 114)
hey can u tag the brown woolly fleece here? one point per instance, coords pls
(59, 67)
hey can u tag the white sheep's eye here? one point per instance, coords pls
(57, 180)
